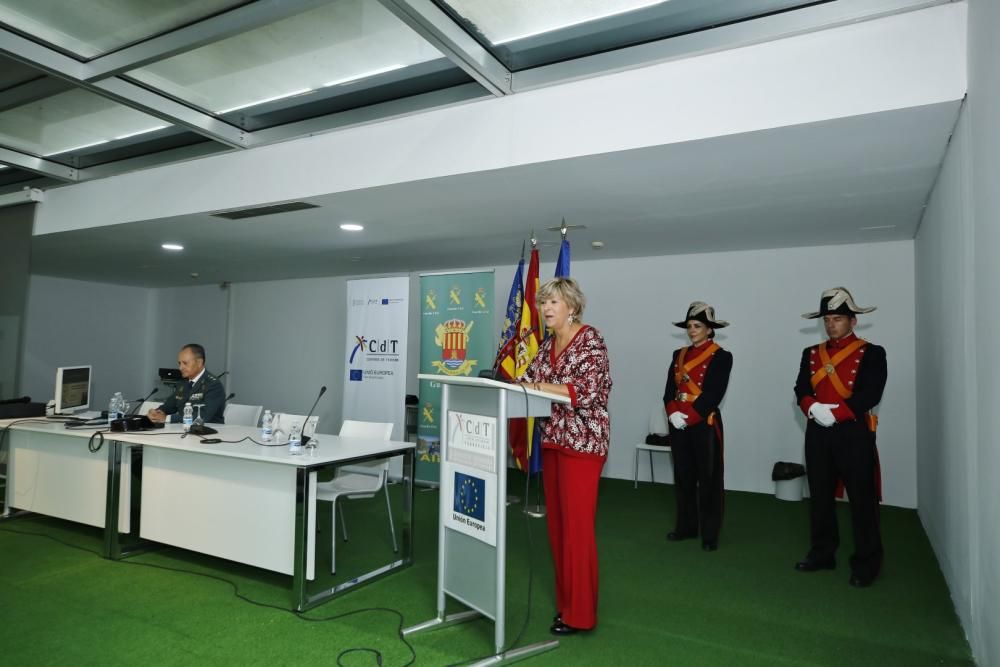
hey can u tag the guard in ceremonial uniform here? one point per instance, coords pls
(199, 387)
(839, 384)
(696, 383)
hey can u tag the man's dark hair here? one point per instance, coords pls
(197, 350)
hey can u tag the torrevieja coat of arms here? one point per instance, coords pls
(453, 339)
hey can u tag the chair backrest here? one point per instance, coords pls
(658, 419)
(283, 422)
(237, 414)
(373, 430)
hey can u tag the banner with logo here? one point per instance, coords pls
(456, 339)
(375, 361)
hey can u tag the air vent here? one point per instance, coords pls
(264, 210)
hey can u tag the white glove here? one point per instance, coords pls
(678, 419)
(822, 413)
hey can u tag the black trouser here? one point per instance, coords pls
(697, 452)
(843, 451)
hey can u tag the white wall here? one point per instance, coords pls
(71, 322)
(958, 323)
(984, 114)
(184, 315)
(286, 339)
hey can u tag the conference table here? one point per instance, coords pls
(236, 499)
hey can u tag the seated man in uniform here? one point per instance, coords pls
(198, 386)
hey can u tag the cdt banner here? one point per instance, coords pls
(375, 382)
(456, 338)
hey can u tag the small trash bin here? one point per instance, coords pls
(789, 480)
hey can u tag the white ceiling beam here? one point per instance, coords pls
(24, 196)
(39, 165)
(431, 23)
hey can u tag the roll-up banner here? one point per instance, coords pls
(375, 382)
(456, 338)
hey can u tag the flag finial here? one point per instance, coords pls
(563, 229)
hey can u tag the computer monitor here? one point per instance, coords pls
(72, 389)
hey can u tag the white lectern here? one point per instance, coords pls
(472, 537)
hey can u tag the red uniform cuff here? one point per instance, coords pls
(806, 403)
(692, 415)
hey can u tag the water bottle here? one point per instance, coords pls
(267, 426)
(116, 408)
(295, 439)
(188, 416)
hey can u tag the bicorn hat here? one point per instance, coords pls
(704, 313)
(837, 301)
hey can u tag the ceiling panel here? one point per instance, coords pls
(95, 27)
(295, 61)
(527, 33)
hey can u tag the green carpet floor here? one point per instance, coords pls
(660, 603)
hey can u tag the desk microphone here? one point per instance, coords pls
(306, 438)
(135, 410)
(231, 396)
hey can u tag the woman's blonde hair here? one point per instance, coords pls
(566, 289)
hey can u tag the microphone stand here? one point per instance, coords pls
(135, 409)
(306, 438)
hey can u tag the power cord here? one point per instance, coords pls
(379, 658)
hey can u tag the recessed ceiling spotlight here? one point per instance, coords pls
(597, 245)
(172, 246)
(352, 227)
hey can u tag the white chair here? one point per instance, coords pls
(361, 480)
(147, 406)
(657, 425)
(282, 423)
(237, 414)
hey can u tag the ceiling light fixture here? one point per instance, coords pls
(172, 246)
(363, 75)
(301, 91)
(352, 227)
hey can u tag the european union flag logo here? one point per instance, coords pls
(470, 496)
(385, 302)
(355, 375)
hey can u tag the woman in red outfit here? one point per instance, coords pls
(572, 362)
(696, 382)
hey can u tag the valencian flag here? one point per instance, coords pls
(506, 352)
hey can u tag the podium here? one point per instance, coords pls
(472, 518)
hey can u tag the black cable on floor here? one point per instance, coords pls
(236, 593)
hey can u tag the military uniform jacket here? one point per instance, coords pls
(863, 373)
(207, 390)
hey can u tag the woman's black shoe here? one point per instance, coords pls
(557, 619)
(562, 629)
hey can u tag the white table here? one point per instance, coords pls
(239, 501)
